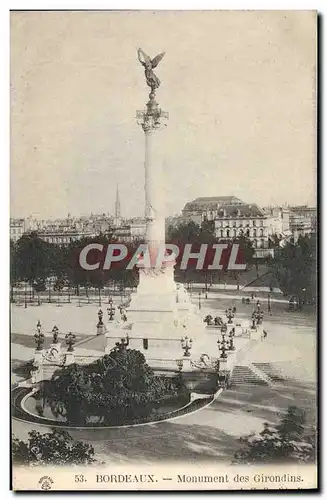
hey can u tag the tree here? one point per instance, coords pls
(14, 278)
(287, 441)
(55, 448)
(33, 259)
(294, 267)
(117, 388)
(190, 232)
(68, 392)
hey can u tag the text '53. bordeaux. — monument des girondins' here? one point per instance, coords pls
(163, 250)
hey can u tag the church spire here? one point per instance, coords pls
(117, 205)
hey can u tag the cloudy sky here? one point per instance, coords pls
(239, 88)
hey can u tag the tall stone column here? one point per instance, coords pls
(152, 121)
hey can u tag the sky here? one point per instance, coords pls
(239, 87)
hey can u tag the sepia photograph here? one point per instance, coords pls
(163, 250)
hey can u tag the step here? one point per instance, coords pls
(242, 374)
(273, 373)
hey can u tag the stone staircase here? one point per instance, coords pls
(272, 372)
(249, 374)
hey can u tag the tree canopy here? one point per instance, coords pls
(55, 448)
(117, 388)
(34, 260)
(294, 267)
(288, 441)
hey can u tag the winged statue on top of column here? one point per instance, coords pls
(151, 79)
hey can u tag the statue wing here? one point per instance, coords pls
(156, 60)
(143, 57)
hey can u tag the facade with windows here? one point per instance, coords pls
(232, 218)
(303, 220)
(17, 229)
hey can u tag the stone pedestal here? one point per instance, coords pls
(185, 363)
(38, 357)
(101, 329)
(70, 358)
(223, 364)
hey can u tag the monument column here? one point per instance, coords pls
(160, 311)
(152, 121)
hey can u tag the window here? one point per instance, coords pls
(254, 232)
(262, 243)
(254, 223)
(248, 233)
(261, 232)
(227, 233)
(221, 233)
(145, 344)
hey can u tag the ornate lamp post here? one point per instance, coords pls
(186, 345)
(231, 346)
(253, 319)
(100, 316)
(257, 316)
(123, 315)
(55, 332)
(223, 330)
(111, 310)
(70, 341)
(222, 346)
(100, 325)
(230, 315)
(39, 337)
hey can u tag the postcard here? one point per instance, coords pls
(163, 235)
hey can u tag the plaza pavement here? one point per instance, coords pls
(211, 433)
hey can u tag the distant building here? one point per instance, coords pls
(208, 208)
(232, 218)
(278, 220)
(303, 220)
(17, 229)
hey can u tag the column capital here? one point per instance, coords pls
(153, 118)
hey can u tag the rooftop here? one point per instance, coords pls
(230, 205)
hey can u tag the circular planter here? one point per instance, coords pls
(24, 408)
